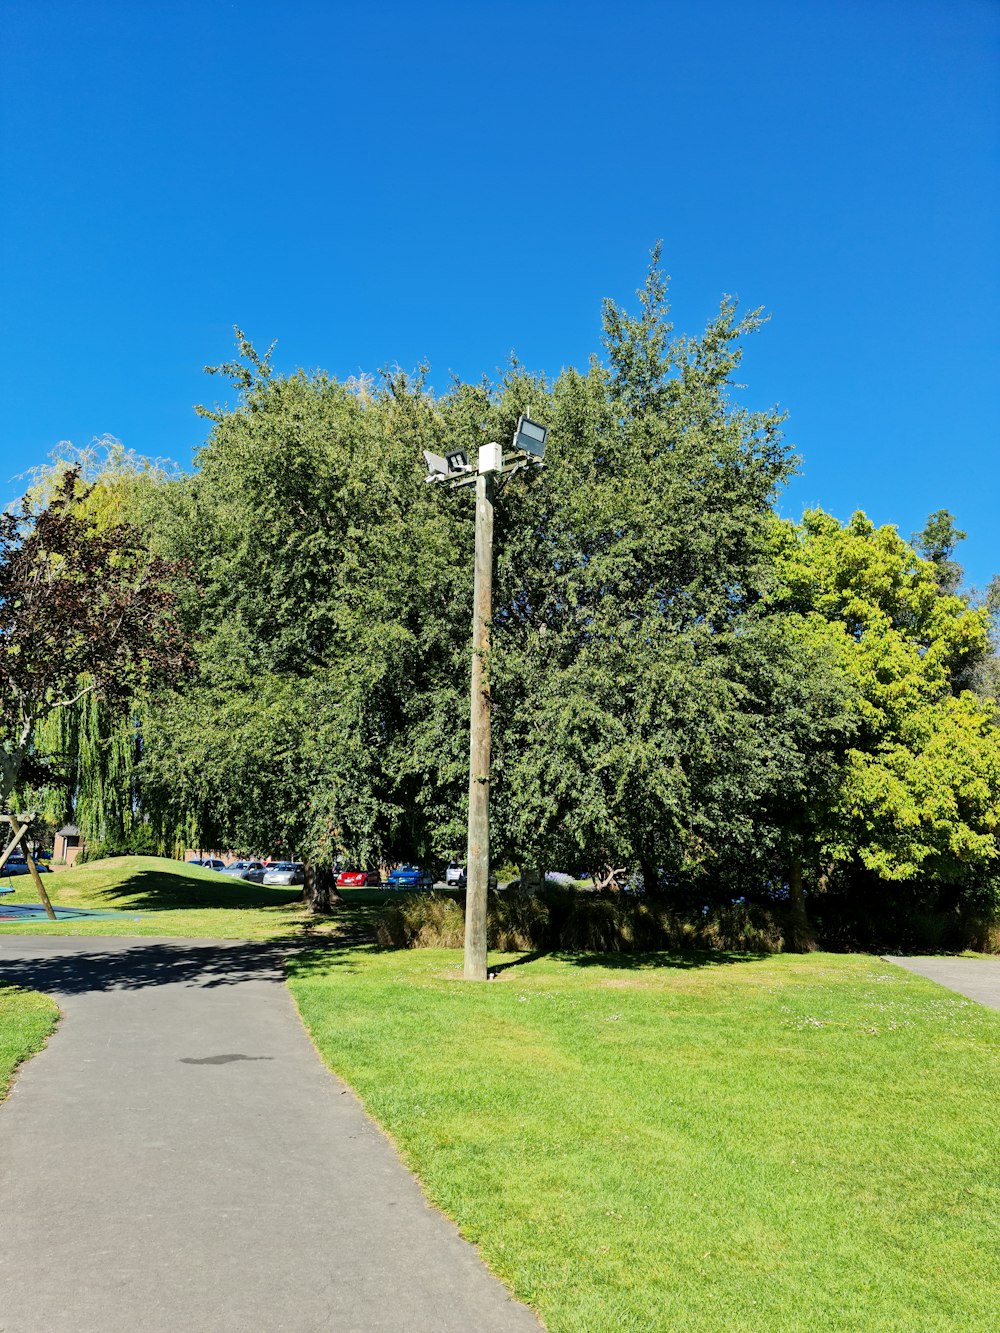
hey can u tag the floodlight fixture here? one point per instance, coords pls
(529, 437)
(458, 461)
(437, 467)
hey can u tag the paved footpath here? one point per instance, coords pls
(977, 978)
(178, 1160)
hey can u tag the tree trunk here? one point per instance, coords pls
(608, 877)
(801, 937)
(319, 889)
(10, 764)
(650, 877)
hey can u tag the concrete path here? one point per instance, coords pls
(978, 978)
(178, 1160)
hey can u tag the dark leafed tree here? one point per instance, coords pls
(637, 721)
(84, 608)
(936, 542)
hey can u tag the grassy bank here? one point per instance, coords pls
(152, 895)
(26, 1019)
(699, 1143)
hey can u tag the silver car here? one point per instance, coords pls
(18, 865)
(242, 869)
(284, 874)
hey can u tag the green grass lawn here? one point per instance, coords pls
(26, 1019)
(157, 896)
(782, 1143)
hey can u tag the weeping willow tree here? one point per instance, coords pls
(91, 751)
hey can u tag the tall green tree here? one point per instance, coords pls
(322, 718)
(638, 714)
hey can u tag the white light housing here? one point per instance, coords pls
(490, 458)
(529, 437)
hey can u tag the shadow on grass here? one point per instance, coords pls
(179, 891)
(663, 958)
(168, 890)
(635, 961)
(524, 959)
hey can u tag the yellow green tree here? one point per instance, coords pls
(918, 798)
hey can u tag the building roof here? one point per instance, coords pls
(68, 831)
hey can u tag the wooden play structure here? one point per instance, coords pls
(19, 826)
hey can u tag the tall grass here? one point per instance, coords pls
(561, 919)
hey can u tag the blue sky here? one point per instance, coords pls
(374, 184)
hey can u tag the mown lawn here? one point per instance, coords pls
(720, 1143)
(153, 895)
(26, 1019)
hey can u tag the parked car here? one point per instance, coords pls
(358, 879)
(284, 874)
(410, 877)
(18, 865)
(243, 869)
(212, 863)
(455, 876)
(256, 872)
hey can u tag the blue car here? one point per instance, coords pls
(410, 877)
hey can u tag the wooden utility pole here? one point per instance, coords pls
(478, 866)
(455, 470)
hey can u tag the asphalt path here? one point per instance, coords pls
(976, 978)
(178, 1158)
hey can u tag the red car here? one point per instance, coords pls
(358, 879)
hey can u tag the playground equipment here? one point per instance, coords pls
(20, 825)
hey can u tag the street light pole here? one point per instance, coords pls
(478, 863)
(454, 469)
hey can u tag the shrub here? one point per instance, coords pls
(514, 923)
(423, 921)
(564, 919)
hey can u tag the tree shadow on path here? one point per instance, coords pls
(80, 969)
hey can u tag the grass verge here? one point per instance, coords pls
(690, 1143)
(26, 1019)
(156, 896)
